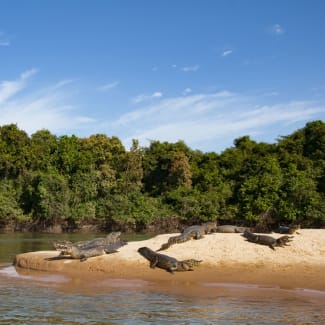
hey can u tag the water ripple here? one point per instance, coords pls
(26, 301)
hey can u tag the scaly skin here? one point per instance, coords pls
(84, 249)
(61, 244)
(192, 232)
(111, 238)
(231, 229)
(165, 262)
(83, 253)
(288, 229)
(192, 262)
(77, 253)
(284, 240)
(267, 240)
(210, 226)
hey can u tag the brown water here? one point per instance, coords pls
(31, 297)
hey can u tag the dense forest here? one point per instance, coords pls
(66, 183)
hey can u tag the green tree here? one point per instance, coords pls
(83, 188)
(156, 165)
(179, 171)
(14, 151)
(69, 158)
(130, 178)
(100, 150)
(43, 151)
(300, 199)
(10, 211)
(259, 193)
(47, 198)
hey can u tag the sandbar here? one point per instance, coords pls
(226, 258)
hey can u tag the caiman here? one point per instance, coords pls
(192, 232)
(111, 238)
(83, 253)
(267, 240)
(231, 229)
(168, 263)
(288, 229)
(84, 249)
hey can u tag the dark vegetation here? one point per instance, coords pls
(66, 183)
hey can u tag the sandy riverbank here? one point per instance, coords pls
(227, 258)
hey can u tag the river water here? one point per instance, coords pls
(30, 297)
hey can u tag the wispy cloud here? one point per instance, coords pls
(49, 107)
(191, 68)
(186, 91)
(213, 121)
(206, 121)
(108, 87)
(142, 98)
(226, 53)
(62, 84)
(10, 88)
(4, 39)
(277, 29)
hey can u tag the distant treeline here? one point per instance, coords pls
(66, 183)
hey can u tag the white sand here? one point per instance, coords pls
(226, 258)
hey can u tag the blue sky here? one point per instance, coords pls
(205, 72)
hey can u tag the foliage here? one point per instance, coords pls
(47, 180)
(9, 205)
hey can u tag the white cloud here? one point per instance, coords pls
(191, 68)
(206, 121)
(46, 108)
(213, 121)
(271, 93)
(108, 87)
(62, 84)
(186, 91)
(226, 53)
(277, 29)
(156, 94)
(10, 88)
(142, 98)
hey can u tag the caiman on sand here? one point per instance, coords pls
(231, 229)
(85, 249)
(111, 238)
(267, 240)
(168, 263)
(288, 229)
(192, 232)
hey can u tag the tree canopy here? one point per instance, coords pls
(48, 181)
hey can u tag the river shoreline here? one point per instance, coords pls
(227, 258)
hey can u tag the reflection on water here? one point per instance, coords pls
(16, 243)
(30, 297)
(10, 271)
(41, 298)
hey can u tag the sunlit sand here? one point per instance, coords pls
(227, 258)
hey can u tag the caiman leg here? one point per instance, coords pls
(83, 258)
(183, 266)
(171, 269)
(154, 263)
(198, 235)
